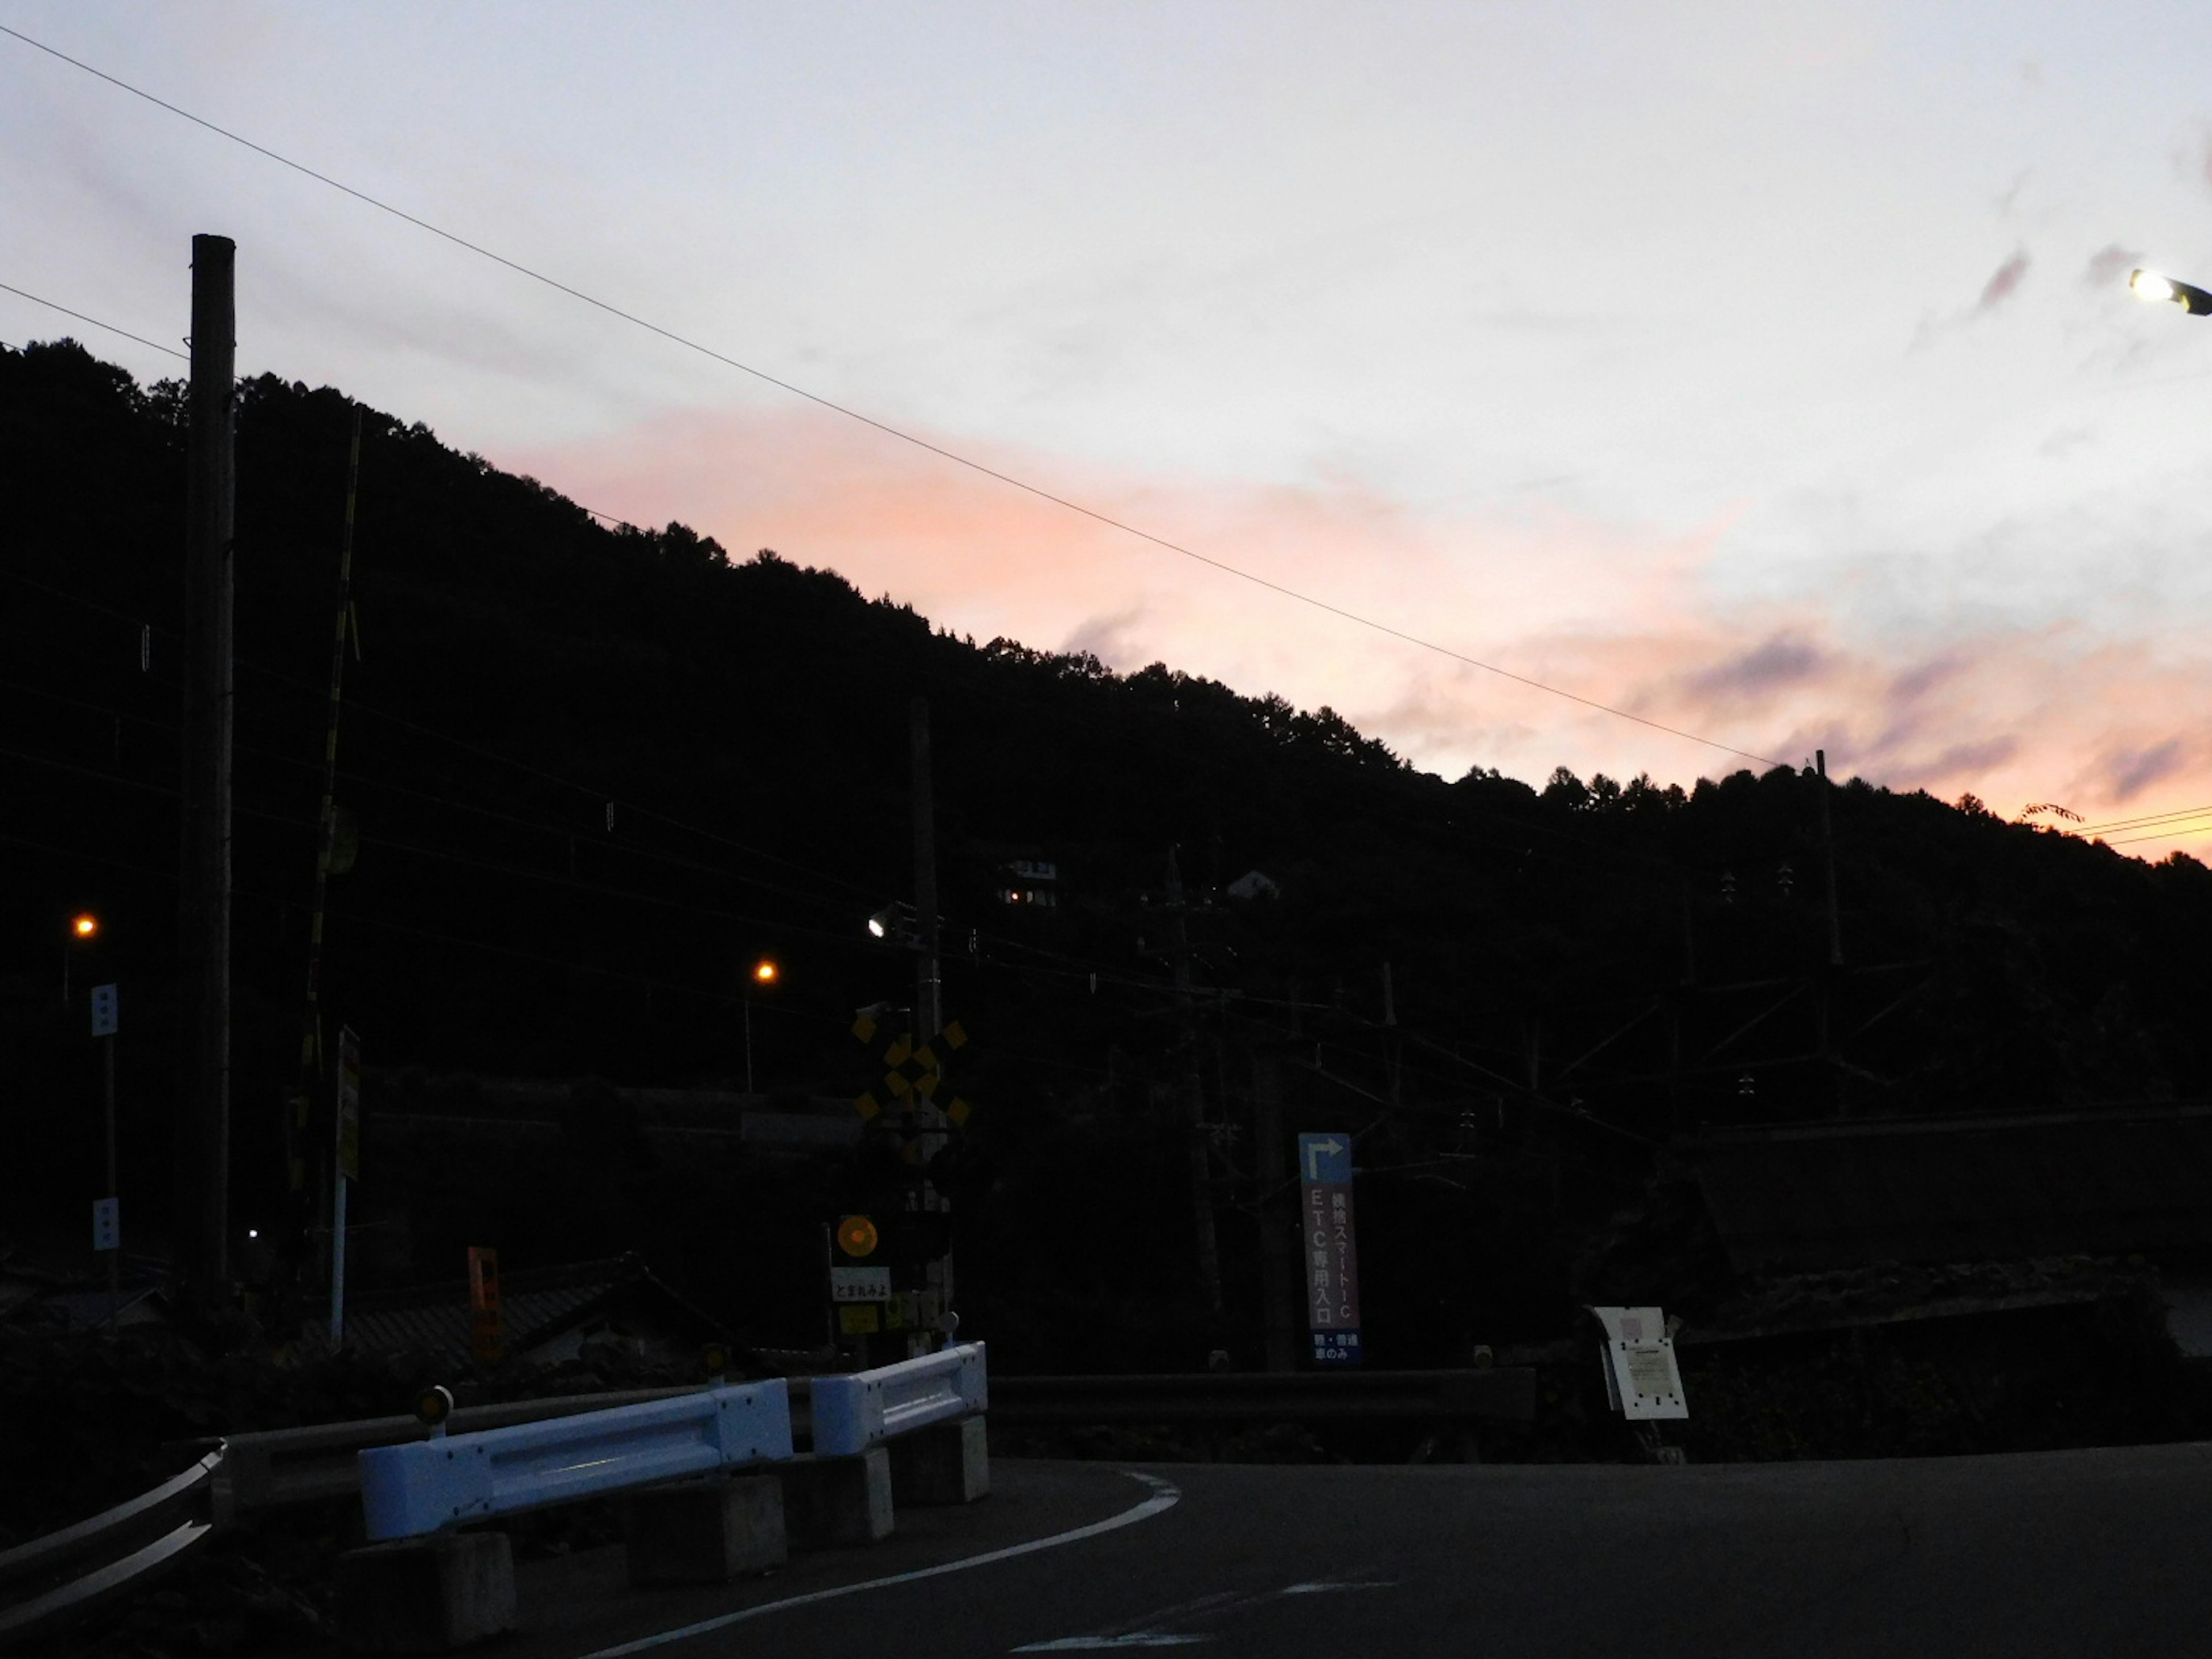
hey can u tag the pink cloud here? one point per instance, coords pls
(1620, 614)
(2002, 282)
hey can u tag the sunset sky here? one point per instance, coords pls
(1765, 370)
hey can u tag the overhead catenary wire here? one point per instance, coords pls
(883, 427)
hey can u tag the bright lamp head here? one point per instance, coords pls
(2150, 286)
(895, 923)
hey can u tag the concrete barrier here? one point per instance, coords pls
(426, 1595)
(705, 1532)
(830, 1502)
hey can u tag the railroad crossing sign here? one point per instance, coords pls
(916, 1076)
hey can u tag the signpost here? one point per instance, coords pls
(347, 1095)
(921, 1111)
(486, 1342)
(1642, 1380)
(1329, 1248)
(108, 1212)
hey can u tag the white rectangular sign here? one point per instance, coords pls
(860, 1284)
(1642, 1380)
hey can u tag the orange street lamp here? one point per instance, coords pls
(765, 974)
(83, 928)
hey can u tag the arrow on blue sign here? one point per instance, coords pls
(1324, 1158)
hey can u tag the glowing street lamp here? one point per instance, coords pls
(84, 928)
(2150, 287)
(895, 922)
(765, 974)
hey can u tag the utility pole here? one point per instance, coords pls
(1828, 856)
(1279, 1231)
(1835, 931)
(201, 1222)
(1201, 1174)
(928, 1014)
(298, 1125)
(929, 1005)
(1390, 1037)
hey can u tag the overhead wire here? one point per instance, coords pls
(23, 294)
(2137, 823)
(883, 427)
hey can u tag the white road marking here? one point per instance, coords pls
(1166, 1496)
(1143, 1631)
(1141, 1638)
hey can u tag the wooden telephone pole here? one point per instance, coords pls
(1200, 1167)
(201, 1223)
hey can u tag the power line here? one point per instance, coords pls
(2166, 834)
(23, 295)
(882, 427)
(2140, 823)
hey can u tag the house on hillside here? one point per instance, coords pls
(615, 1310)
(1917, 1218)
(1023, 876)
(1903, 1287)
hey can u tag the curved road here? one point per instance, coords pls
(2096, 1553)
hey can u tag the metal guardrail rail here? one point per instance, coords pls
(1506, 1391)
(409, 1491)
(272, 1468)
(855, 1411)
(68, 1574)
(275, 1467)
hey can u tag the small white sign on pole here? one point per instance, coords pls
(860, 1284)
(1642, 1380)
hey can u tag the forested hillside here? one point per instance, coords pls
(597, 772)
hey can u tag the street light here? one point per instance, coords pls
(765, 974)
(895, 923)
(2149, 286)
(84, 928)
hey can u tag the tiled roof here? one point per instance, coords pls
(534, 1306)
(1975, 1189)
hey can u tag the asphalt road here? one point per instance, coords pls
(2097, 1554)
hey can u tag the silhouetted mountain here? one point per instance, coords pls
(597, 771)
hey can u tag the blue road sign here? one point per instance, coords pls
(1324, 1158)
(1336, 1347)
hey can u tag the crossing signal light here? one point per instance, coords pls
(857, 1237)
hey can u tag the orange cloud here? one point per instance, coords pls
(1620, 614)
